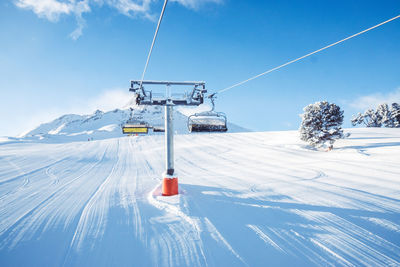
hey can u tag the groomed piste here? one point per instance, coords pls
(246, 199)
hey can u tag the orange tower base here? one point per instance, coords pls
(170, 186)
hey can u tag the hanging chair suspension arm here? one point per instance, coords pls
(212, 98)
(131, 113)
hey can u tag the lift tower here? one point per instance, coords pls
(192, 97)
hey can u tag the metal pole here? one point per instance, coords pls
(169, 139)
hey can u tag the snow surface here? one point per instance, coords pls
(247, 199)
(103, 125)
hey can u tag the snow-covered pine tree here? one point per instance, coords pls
(369, 118)
(383, 112)
(321, 124)
(372, 118)
(357, 119)
(395, 114)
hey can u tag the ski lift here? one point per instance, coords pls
(158, 129)
(135, 129)
(135, 126)
(208, 121)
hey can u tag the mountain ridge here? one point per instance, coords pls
(103, 125)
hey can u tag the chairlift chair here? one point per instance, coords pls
(134, 126)
(208, 121)
(157, 129)
(135, 129)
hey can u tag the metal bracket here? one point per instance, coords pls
(143, 97)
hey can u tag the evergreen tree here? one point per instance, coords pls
(372, 118)
(385, 115)
(321, 124)
(357, 119)
(369, 118)
(389, 117)
(395, 114)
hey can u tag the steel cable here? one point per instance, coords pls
(152, 45)
(307, 55)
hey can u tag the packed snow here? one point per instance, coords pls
(246, 199)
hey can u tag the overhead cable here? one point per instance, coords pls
(307, 55)
(152, 44)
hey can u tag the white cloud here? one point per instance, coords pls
(53, 9)
(26, 120)
(195, 4)
(31, 114)
(80, 8)
(109, 100)
(129, 7)
(373, 100)
(50, 9)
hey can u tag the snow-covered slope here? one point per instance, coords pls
(247, 199)
(102, 125)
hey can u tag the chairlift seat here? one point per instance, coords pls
(158, 129)
(207, 122)
(207, 128)
(135, 129)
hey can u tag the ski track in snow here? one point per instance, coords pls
(246, 199)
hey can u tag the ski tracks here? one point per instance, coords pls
(44, 208)
(288, 204)
(92, 220)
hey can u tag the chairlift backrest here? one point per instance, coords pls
(208, 121)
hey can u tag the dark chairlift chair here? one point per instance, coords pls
(208, 121)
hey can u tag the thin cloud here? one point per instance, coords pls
(49, 9)
(195, 4)
(107, 100)
(80, 8)
(110, 100)
(129, 7)
(373, 100)
(52, 10)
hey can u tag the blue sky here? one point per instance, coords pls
(60, 57)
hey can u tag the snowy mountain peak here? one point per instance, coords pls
(102, 125)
